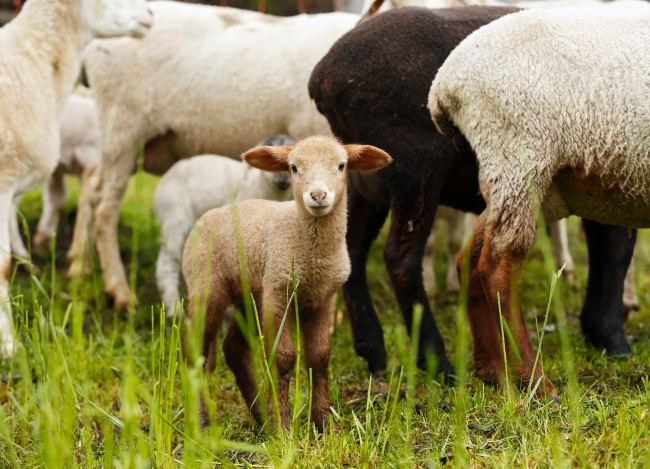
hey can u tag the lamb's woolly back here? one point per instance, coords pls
(542, 90)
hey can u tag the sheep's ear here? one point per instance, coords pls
(366, 158)
(268, 158)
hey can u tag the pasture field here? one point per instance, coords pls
(91, 387)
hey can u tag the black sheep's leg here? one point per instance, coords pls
(610, 253)
(364, 222)
(411, 221)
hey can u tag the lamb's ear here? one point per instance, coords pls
(366, 158)
(268, 158)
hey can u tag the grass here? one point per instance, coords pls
(94, 388)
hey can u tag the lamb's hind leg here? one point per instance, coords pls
(238, 358)
(495, 281)
(610, 253)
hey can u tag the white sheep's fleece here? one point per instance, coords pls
(221, 79)
(556, 105)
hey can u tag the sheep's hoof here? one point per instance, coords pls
(614, 344)
(42, 245)
(122, 299)
(379, 385)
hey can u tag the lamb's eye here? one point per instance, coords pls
(341, 166)
(294, 168)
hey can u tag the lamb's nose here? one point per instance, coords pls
(318, 196)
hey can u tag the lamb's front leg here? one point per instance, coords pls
(7, 344)
(285, 354)
(315, 327)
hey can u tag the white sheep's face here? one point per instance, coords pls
(318, 166)
(112, 18)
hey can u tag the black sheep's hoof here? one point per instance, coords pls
(615, 344)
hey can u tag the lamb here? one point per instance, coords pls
(360, 96)
(79, 155)
(198, 59)
(568, 133)
(305, 236)
(40, 60)
(192, 187)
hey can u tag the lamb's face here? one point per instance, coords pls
(318, 174)
(111, 18)
(318, 166)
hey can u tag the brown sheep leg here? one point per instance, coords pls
(500, 273)
(316, 336)
(238, 358)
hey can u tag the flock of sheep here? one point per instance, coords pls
(543, 112)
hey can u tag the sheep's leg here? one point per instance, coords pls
(403, 253)
(630, 297)
(174, 231)
(315, 330)
(610, 253)
(115, 169)
(285, 360)
(495, 277)
(168, 267)
(238, 358)
(16, 241)
(560, 243)
(364, 222)
(455, 237)
(7, 341)
(53, 200)
(428, 272)
(81, 240)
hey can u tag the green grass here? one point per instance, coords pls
(94, 388)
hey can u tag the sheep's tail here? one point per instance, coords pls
(376, 5)
(440, 113)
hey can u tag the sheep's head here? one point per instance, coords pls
(318, 167)
(111, 18)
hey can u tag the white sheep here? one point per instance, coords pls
(556, 105)
(198, 184)
(306, 236)
(205, 80)
(41, 51)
